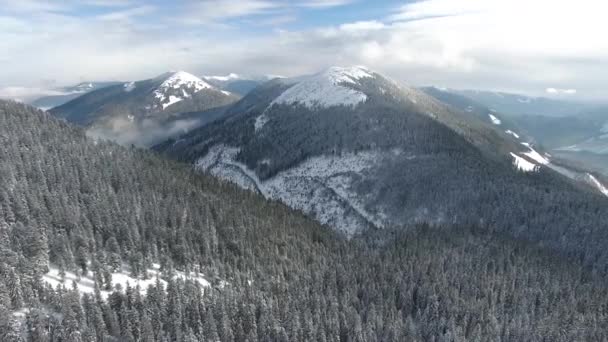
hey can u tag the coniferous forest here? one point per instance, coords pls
(96, 210)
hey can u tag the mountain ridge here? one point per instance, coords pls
(148, 111)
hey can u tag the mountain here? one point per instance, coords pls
(105, 243)
(68, 94)
(491, 116)
(516, 104)
(145, 112)
(540, 131)
(237, 84)
(360, 153)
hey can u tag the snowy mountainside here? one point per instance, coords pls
(384, 155)
(328, 88)
(321, 186)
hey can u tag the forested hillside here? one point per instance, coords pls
(94, 208)
(386, 162)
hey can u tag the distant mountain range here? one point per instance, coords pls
(237, 84)
(516, 104)
(67, 94)
(146, 112)
(574, 133)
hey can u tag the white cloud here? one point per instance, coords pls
(25, 94)
(489, 44)
(560, 91)
(324, 3)
(211, 11)
(362, 26)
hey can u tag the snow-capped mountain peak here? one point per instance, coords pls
(183, 79)
(332, 87)
(352, 75)
(178, 86)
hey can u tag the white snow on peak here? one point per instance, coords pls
(598, 185)
(494, 119)
(326, 89)
(189, 84)
(523, 164)
(183, 79)
(231, 76)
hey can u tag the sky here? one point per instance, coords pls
(549, 48)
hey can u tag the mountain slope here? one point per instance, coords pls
(515, 104)
(69, 94)
(386, 156)
(145, 112)
(535, 131)
(102, 213)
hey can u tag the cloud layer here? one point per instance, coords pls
(521, 46)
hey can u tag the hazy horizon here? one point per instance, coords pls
(463, 44)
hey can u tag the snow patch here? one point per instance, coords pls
(598, 184)
(260, 121)
(327, 89)
(523, 164)
(172, 100)
(86, 284)
(512, 133)
(128, 87)
(494, 119)
(537, 157)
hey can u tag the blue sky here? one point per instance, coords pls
(540, 47)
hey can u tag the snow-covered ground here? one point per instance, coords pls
(327, 88)
(533, 159)
(86, 284)
(320, 186)
(537, 157)
(598, 184)
(494, 119)
(512, 133)
(523, 164)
